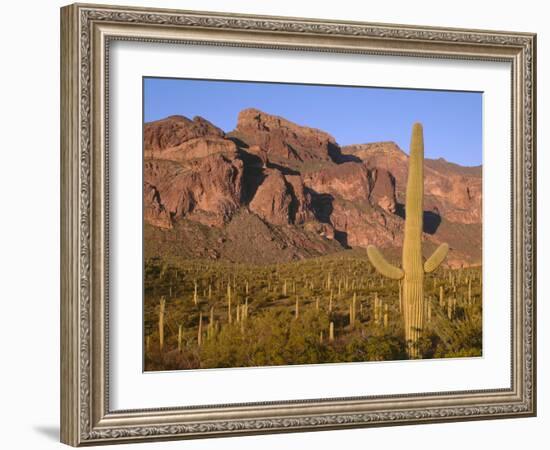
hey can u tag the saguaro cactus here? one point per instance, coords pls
(352, 310)
(229, 303)
(376, 308)
(210, 329)
(180, 336)
(199, 332)
(162, 308)
(413, 269)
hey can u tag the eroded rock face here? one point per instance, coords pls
(208, 190)
(360, 227)
(198, 148)
(350, 181)
(282, 139)
(153, 209)
(452, 191)
(383, 190)
(354, 191)
(173, 131)
(382, 155)
(273, 199)
(177, 138)
(456, 197)
(308, 194)
(301, 208)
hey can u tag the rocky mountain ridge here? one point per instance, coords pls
(295, 192)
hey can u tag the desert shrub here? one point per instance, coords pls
(272, 335)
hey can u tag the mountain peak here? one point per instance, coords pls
(172, 118)
(386, 149)
(285, 142)
(297, 181)
(175, 130)
(261, 120)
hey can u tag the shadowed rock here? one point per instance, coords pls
(296, 176)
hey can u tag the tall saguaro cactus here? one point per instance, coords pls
(413, 269)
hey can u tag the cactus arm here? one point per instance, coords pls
(382, 265)
(436, 259)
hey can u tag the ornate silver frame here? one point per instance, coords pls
(86, 31)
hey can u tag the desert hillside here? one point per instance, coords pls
(274, 191)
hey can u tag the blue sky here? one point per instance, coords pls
(353, 115)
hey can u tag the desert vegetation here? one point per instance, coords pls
(334, 308)
(257, 245)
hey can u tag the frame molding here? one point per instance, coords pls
(86, 31)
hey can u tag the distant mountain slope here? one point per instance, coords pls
(272, 190)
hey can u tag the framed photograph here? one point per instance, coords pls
(277, 224)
